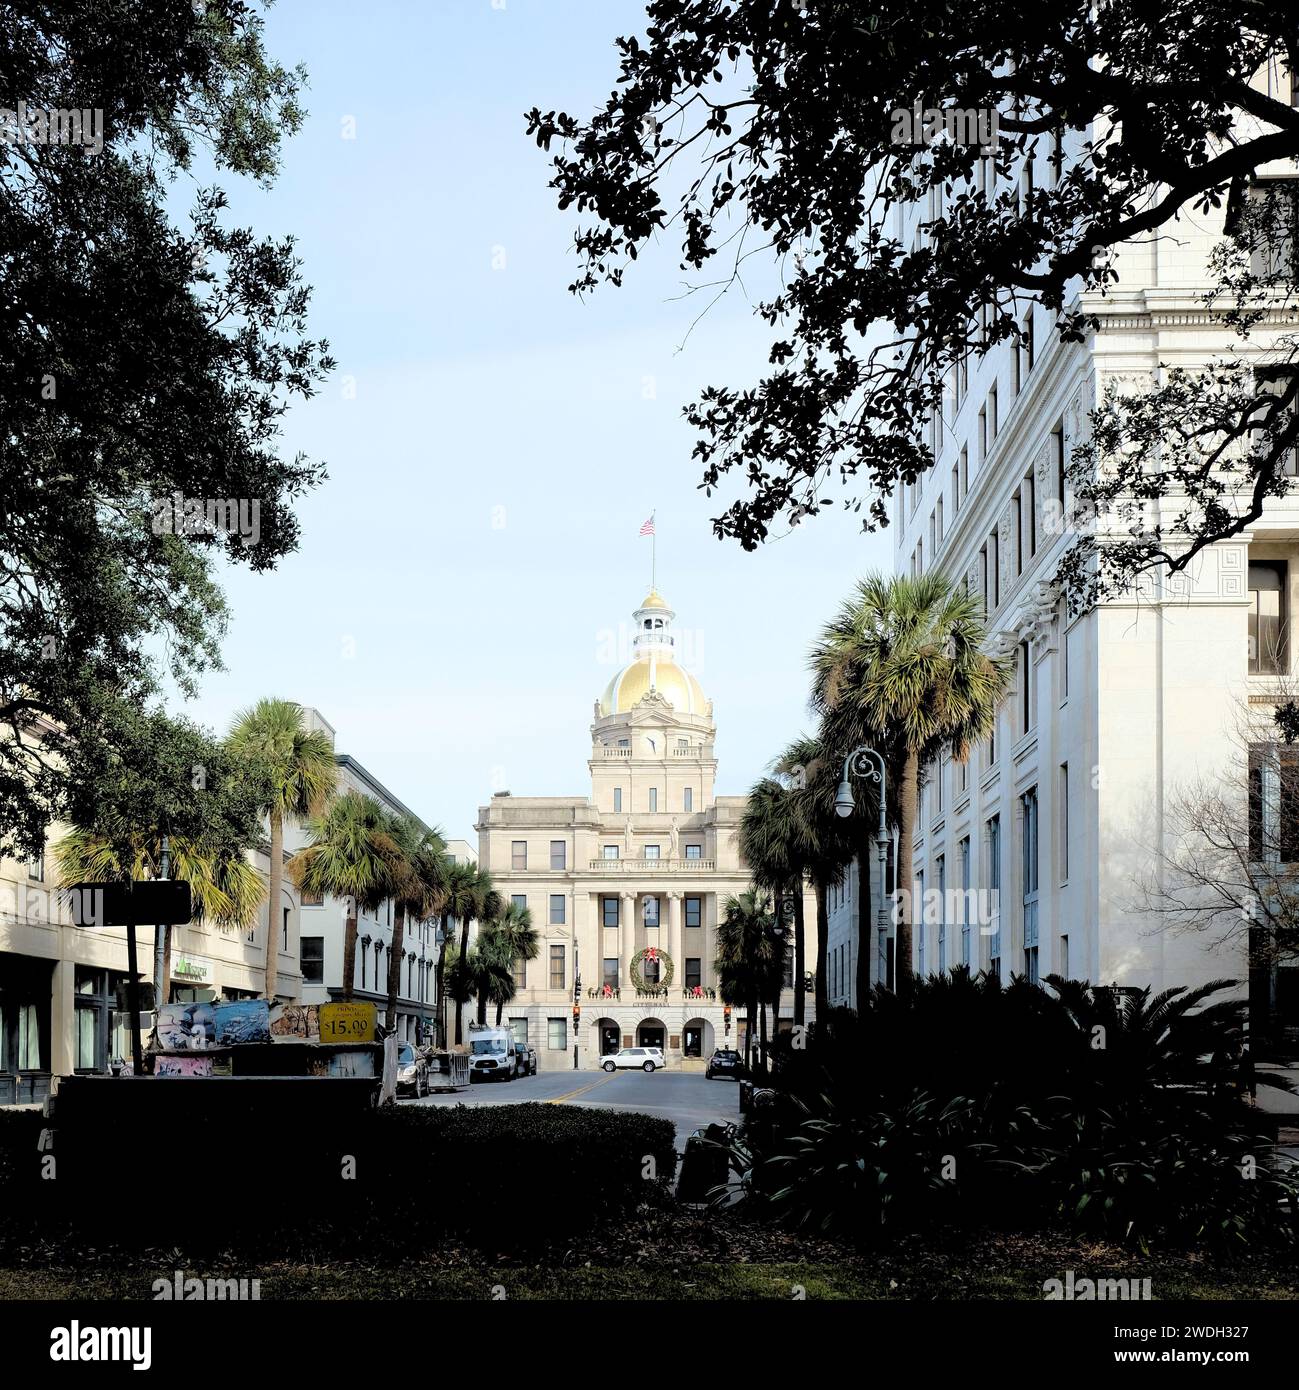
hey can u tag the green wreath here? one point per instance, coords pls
(665, 970)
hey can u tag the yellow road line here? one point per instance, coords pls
(581, 1091)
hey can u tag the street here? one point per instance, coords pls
(685, 1098)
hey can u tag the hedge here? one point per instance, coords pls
(386, 1182)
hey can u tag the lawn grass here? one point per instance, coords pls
(990, 1267)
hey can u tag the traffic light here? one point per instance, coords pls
(577, 1016)
(726, 1016)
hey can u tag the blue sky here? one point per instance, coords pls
(493, 443)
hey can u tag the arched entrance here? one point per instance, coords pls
(650, 1032)
(608, 1036)
(698, 1039)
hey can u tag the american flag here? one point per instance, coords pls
(648, 528)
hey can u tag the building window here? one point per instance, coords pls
(651, 911)
(1018, 504)
(313, 960)
(617, 798)
(609, 910)
(1267, 618)
(1273, 804)
(1064, 956)
(942, 913)
(651, 852)
(284, 935)
(557, 1034)
(694, 973)
(1029, 493)
(520, 971)
(36, 867)
(311, 899)
(650, 970)
(688, 799)
(557, 909)
(994, 414)
(558, 854)
(994, 561)
(983, 434)
(994, 895)
(963, 864)
(1025, 688)
(611, 851)
(610, 974)
(519, 854)
(918, 924)
(694, 912)
(1028, 804)
(1061, 475)
(694, 851)
(557, 977)
(519, 1027)
(653, 798)
(29, 1038)
(1064, 823)
(520, 900)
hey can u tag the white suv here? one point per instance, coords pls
(644, 1058)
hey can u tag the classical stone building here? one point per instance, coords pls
(626, 885)
(1057, 821)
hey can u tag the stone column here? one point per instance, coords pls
(675, 949)
(63, 1018)
(627, 944)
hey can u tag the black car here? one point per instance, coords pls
(526, 1058)
(725, 1062)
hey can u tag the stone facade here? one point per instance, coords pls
(644, 864)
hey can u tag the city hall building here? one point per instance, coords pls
(626, 886)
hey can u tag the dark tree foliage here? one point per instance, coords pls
(138, 359)
(771, 129)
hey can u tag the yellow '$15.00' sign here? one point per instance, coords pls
(341, 1023)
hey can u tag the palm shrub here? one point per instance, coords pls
(1124, 1116)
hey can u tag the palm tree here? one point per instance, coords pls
(746, 937)
(903, 665)
(457, 905)
(486, 907)
(420, 876)
(489, 972)
(296, 767)
(225, 889)
(773, 842)
(517, 940)
(812, 779)
(350, 854)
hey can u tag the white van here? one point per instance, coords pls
(491, 1053)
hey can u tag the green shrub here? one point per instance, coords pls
(377, 1183)
(1125, 1117)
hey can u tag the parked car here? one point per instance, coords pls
(491, 1053)
(525, 1059)
(644, 1058)
(725, 1061)
(412, 1071)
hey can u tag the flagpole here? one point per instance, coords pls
(654, 556)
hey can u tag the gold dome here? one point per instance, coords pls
(654, 600)
(678, 687)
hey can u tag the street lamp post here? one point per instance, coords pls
(867, 762)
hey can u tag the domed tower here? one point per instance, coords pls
(652, 739)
